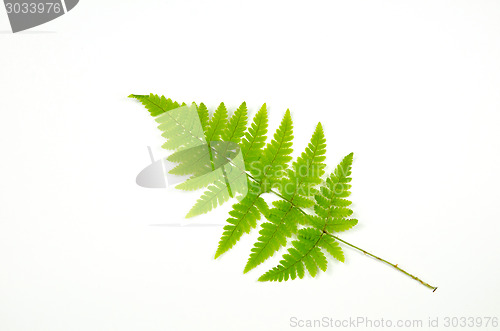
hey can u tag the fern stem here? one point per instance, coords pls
(434, 288)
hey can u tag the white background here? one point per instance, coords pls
(411, 87)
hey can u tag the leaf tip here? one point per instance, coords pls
(247, 269)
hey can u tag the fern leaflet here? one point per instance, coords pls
(217, 124)
(245, 215)
(154, 104)
(255, 138)
(276, 155)
(204, 116)
(236, 125)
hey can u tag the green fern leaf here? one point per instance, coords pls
(181, 127)
(217, 124)
(216, 195)
(332, 247)
(331, 203)
(197, 136)
(306, 172)
(203, 115)
(340, 225)
(194, 161)
(282, 223)
(304, 253)
(252, 146)
(231, 180)
(198, 182)
(236, 125)
(155, 104)
(276, 155)
(202, 159)
(245, 215)
(332, 217)
(255, 138)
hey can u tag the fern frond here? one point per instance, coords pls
(255, 138)
(155, 104)
(237, 125)
(195, 138)
(217, 124)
